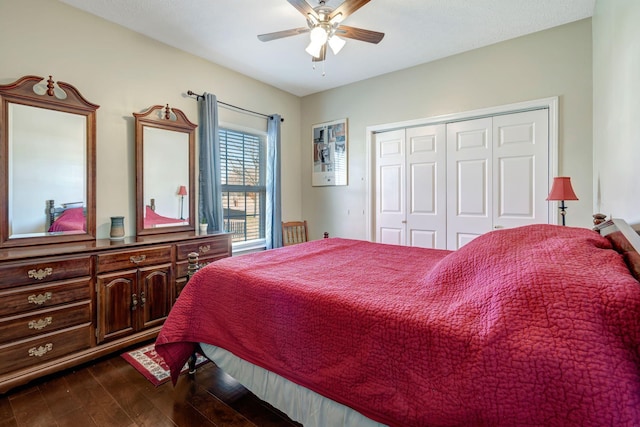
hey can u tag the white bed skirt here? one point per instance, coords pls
(299, 403)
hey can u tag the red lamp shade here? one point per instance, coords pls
(182, 191)
(561, 189)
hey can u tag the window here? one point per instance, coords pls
(242, 164)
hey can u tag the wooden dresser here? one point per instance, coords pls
(69, 303)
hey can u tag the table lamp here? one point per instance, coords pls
(561, 190)
(182, 191)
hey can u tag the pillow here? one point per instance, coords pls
(632, 258)
(621, 244)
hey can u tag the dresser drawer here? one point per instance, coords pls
(214, 247)
(29, 298)
(44, 321)
(43, 348)
(44, 270)
(114, 261)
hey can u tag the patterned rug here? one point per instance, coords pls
(150, 364)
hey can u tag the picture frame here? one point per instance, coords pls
(329, 153)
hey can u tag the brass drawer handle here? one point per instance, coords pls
(40, 298)
(40, 351)
(40, 273)
(204, 249)
(40, 323)
(136, 259)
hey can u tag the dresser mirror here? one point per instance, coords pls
(165, 156)
(47, 141)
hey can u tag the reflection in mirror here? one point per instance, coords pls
(48, 135)
(164, 176)
(165, 206)
(47, 158)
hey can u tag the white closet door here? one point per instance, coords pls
(441, 186)
(426, 186)
(390, 185)
(521, 169)
(469, 173)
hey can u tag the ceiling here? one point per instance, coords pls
(416, 31)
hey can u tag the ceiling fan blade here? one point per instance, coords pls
(347, 8)
(280, 34)
(303, 7)
(323, 54)
(359, 34)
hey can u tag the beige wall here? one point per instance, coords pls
(555, 62)
(125, 72)
(616, 95)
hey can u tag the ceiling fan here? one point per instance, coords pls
(324, 26)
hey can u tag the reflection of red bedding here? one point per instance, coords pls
(152, 219)
(537, 325)
(70, 220)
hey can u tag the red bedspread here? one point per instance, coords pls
(152, 219)
(72, 219)
(537, 325)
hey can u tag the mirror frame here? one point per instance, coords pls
(21, 92)
(175, 120)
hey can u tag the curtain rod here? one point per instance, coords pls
(191, 93)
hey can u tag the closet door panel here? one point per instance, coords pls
(426, 182)
(391, 181)
(424, 238)
(516, 193)
(422, 201)
(391, 236)
(469, 167)
(521, 173)
(471, 190)
(391, 187)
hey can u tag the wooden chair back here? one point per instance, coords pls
(294, 232)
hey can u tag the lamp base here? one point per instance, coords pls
(563, 212)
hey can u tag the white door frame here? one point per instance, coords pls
(550, 103)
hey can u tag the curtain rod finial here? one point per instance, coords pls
(192, 93)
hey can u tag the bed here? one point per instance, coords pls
(536, 325)
(153, 219)
(66, 217)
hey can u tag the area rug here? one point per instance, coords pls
(150, 364)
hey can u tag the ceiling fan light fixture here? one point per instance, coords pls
(336, 44)
(336, 20)
(319, 35)
(314, 49)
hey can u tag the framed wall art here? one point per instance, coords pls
(329, 141)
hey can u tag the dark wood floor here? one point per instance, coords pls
(109, 392)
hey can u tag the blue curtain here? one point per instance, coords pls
(273, 220)
(210, 186)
